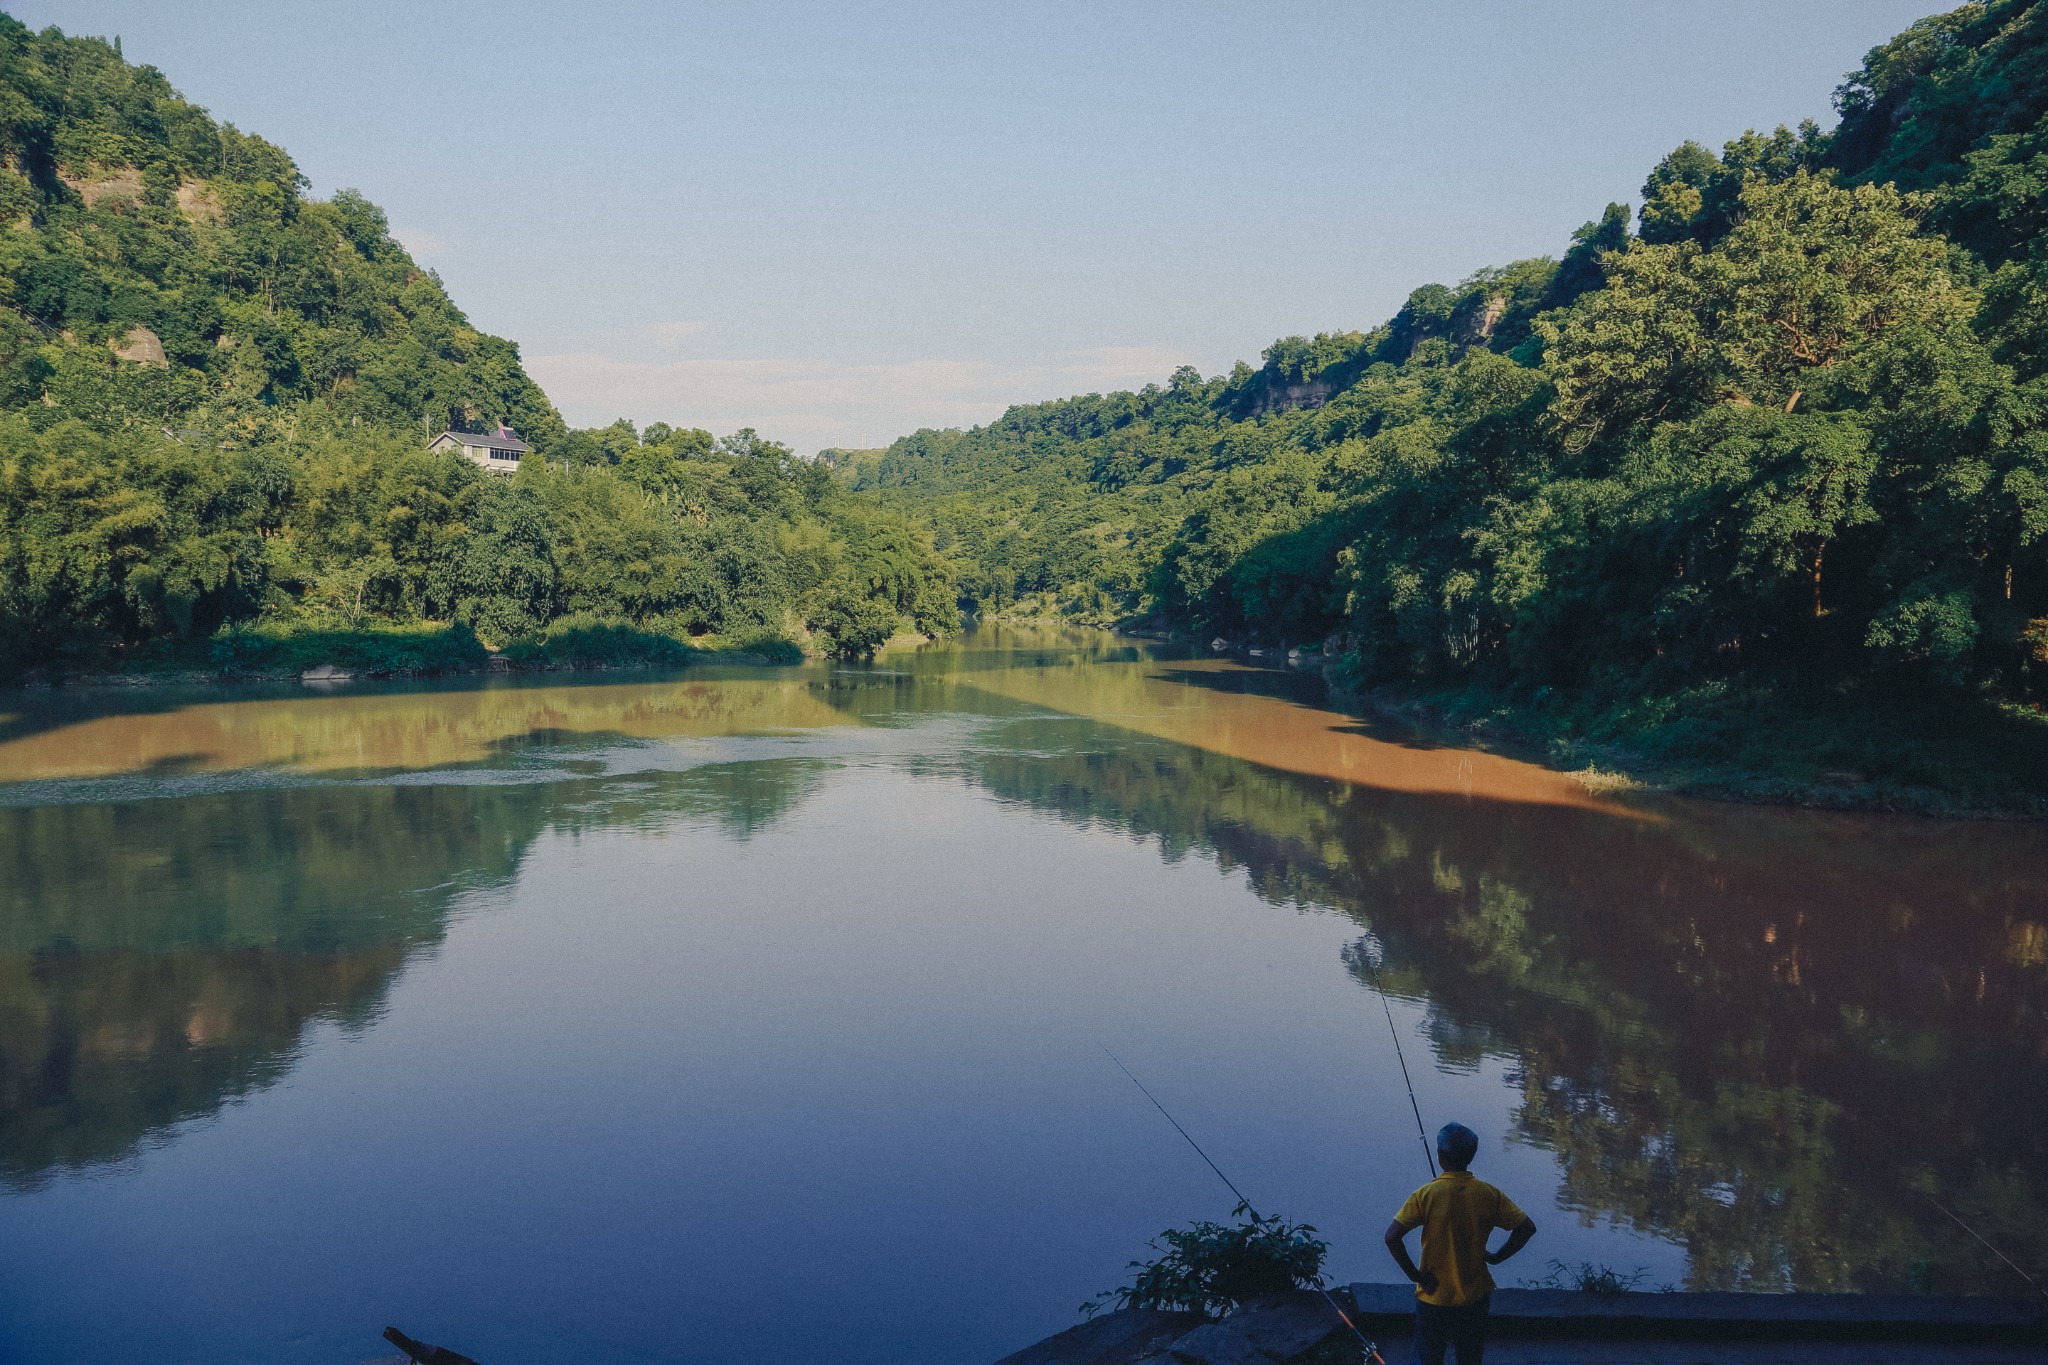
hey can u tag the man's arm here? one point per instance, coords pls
(1397, 1244)
(1517, 1239)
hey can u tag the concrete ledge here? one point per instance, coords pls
(1390, 1308)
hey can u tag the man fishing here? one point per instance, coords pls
(1457, 1211)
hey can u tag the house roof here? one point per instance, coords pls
(484, 441)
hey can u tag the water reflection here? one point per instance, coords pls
(1766, 1034)
(160, 958)
(1276, 721)
(99, 1051)
(379, 727)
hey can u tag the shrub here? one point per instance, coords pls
(854, 627)
(377, 650)
(584, 640)
(587, 641)
(1587, 1278)
(1211, 1268)
(772, 646)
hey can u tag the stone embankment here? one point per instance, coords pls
(1552, 1327)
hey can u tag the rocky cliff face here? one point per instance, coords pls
(1473, 325)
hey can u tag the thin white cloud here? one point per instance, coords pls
(812, 403)
(669, 335)
(419, 242)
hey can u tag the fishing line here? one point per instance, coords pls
(1987, 1245)
(1184, 1133)
(1370, 951)
(1372, 1350)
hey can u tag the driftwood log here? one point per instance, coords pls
(423, 1353)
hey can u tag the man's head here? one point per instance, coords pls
(1456, 1145)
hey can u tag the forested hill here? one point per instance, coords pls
(1783, 428)
(215, 396)
(145, 229)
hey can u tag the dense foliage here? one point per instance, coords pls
(113, 539)
(215, 394)
(140, 225)
(1793, 427)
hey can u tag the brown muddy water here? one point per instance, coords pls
(754, 1014)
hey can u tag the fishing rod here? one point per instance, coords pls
(1372, 1350)
(1369, 950)
(1371, 954)
(1184, 1133)
(1987, 1245)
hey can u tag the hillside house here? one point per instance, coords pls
(497, 451)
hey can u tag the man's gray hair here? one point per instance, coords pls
(1457, 1142)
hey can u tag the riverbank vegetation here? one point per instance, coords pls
(1773, 446)
(1210, 1268)
(215, 396)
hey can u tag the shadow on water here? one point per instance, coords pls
(1272, 720)
(1300, 688)
(388, 728)
(29, 712)
(26, 712)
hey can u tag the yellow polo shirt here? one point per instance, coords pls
(1456, 1212)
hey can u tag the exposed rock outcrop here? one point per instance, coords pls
(1475, 325)
(197, 202)
(144, 347)
(121, 183)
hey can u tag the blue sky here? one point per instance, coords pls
(837, 222)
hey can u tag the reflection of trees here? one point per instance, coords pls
(99, 1049)
(159, 958)
(1761, 1032)
(303, 869)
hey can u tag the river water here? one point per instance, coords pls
(749, 1015)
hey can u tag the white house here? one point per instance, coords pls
(497, 451)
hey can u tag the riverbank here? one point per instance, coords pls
(1536, 1325)
(1865, 750)
(1867, 747)
(332, 654)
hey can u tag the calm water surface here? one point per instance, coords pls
(758, 1014)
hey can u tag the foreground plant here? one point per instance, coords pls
(1588, 1278)
(1211, 1268)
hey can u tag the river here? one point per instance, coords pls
(760, 1014)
